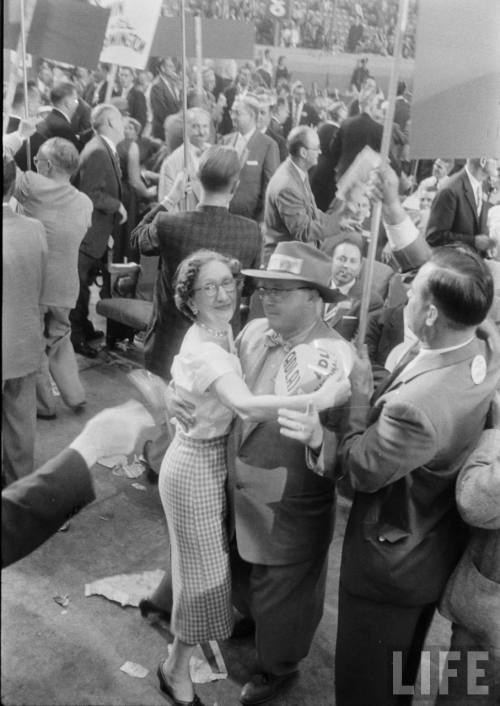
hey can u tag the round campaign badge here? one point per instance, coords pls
(304, 370)
(478, 369)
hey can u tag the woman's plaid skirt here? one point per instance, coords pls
(192, 485)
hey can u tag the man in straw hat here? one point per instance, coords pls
(283, 514)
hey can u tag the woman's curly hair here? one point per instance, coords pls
(187, 274)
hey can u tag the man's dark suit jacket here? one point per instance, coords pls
(99, 177)
(401, 112)
(262, 160)
(453, 214)
(163, 103)
(309, 116)
(136, 105)
(385, 330)
(280, 141)
(352, 136)
(34, 507)
(322, 176)
(54, 125)
(174, 236)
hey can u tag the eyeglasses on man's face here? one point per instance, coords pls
(277, 293)
(211, 289)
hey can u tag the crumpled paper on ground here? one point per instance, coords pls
(134, 670)
(120, 467)
(125, 589)
(201, 671)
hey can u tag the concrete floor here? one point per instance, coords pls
(73, 658)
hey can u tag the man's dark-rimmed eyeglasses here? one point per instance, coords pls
(277, 293)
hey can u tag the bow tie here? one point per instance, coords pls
(273, 340)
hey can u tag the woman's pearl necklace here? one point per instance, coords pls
(217, 333)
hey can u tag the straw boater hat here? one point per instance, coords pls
(293, 261)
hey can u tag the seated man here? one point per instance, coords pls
(347, 263)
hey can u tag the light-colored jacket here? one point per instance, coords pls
(472, 596)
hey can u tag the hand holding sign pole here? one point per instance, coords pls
(384, 154)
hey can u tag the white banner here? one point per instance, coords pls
(130, 32)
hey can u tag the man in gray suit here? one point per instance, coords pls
(259, 158)
(24, 266)
(291, 212)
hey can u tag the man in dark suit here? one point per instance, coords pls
(300, 111)
(322, 175)
(291, 212)
(99, 177)
(136, 101)
(357, 132)
(404, 534)
(165, 96)
(35, 507)
(64, 98)
(239, 87)
(402, 107)
(347, 266)
(95, 92)
(459, 210)
(259, 157)
(268, 127)
(174, 237)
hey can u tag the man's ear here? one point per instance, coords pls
(432, 315)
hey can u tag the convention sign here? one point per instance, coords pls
(71, 32)
(455, 110)
(130, 32)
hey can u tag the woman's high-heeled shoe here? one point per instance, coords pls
(167, 690)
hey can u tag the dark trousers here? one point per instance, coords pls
(286, 603)
(81, 327)
(368, 634)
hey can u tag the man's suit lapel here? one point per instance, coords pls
(307, 193)
(426, 364)
(470, 196)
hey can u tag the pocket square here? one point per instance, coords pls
(252, 162)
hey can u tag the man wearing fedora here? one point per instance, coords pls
(282, 511)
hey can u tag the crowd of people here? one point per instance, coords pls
(261, 254)
(366, 26)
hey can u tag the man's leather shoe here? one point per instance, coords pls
(83, 348)
(94, 335)
(148, 608)
(264, 687)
